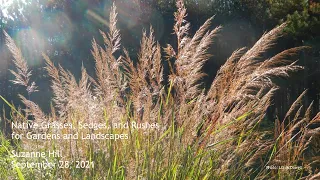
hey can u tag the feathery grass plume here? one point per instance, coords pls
(282, 57)
(243, 77)
(22, 76)
(189, 64)
(57, 85)
(267, 40)
(79, 97)
(111, 80)
(34, 110)
(92, 110)
(113, 40)
(146, 78)
(70, 96)
(23, 73)
(181, 26)
(186, 72)
(191, 54)
(295, 105)
(219, 88)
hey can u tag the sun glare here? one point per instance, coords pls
(5, 6)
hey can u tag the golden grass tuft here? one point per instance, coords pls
(218, 133)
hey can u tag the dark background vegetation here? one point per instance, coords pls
(64, 31)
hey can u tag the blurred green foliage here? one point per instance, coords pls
(302, 16)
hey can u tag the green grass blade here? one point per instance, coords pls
(11, 106)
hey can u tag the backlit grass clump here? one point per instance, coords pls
(218, 133)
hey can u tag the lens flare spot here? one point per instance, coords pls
(58, 28)
(32, 44)
(96, 17)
